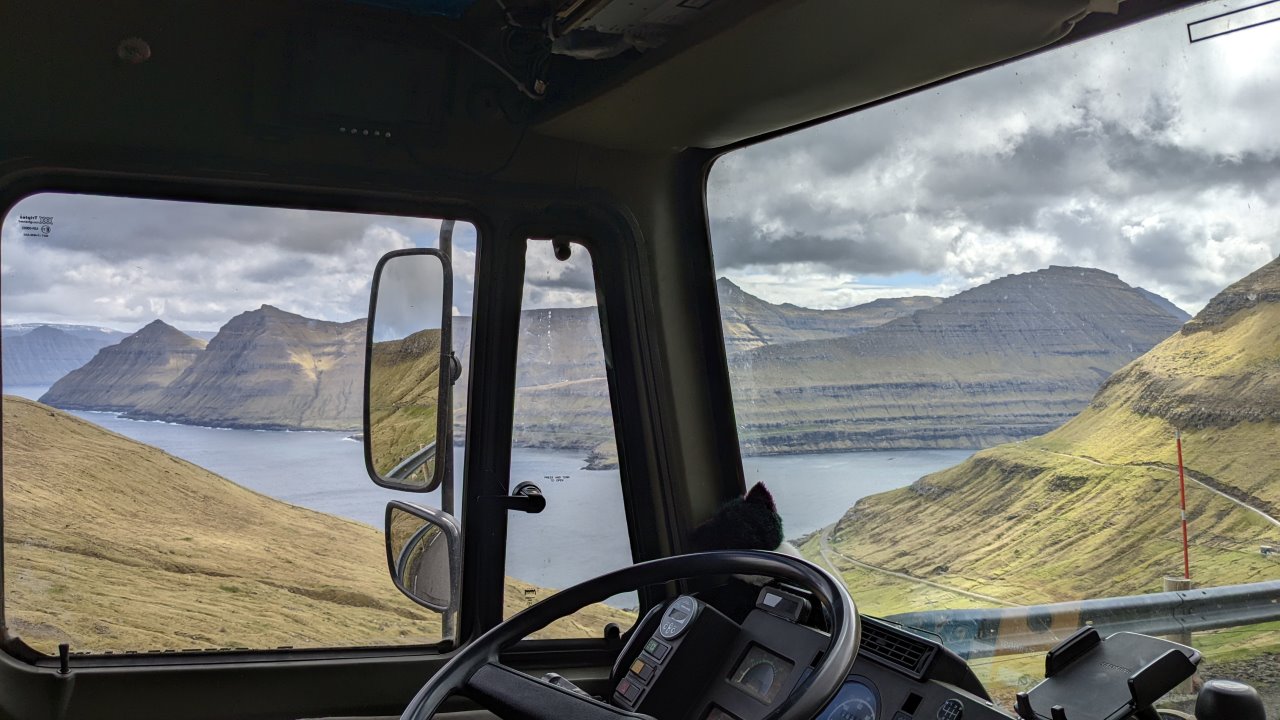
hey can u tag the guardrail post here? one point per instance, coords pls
(1172, 584)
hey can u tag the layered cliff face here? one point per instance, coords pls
(270, 369)
(1006, 360)
(1091, 508)
(562, 394)
(43, 354)
(750, 322)
(131, 373)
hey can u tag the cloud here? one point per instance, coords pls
(549, 282)
(1134, 152)
(122, 262)
(410, 297)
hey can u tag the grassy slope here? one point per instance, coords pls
(115, 545)
(404, 382)
(1088, 509)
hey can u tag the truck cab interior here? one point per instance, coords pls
(369, 188)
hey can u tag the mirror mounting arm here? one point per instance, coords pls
(527, 497)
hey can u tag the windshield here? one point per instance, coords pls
(990, 343)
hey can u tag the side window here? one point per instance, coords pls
(182, 394)
(564, 443)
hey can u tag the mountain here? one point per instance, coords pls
(87, 332)
(750, 322)
(42, 354)
(562, 395)
(1091, 508)
(269, 369)
(1006, 360)
(131, 373)
(405, 380)
(113, 545)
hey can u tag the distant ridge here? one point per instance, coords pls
(750, 322)
(40, 355)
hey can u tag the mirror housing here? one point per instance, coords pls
(409, 368)
(424, 555)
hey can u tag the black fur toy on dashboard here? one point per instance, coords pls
(750, 522)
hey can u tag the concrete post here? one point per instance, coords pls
(1172, 584)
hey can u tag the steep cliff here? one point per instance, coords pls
(1006, 360)
(270, 369)
(131, 373)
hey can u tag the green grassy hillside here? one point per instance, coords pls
(404, 384)
(1091, 509)
(113, 545)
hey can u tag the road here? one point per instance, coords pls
(824, 547)
(1261, 513)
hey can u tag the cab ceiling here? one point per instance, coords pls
(795, 61)
(379, 85)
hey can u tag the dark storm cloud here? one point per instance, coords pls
(741, 243)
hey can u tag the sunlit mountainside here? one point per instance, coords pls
(1091, 508)
(405, 379)
(151, 552)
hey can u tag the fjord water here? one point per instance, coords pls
(582, 532)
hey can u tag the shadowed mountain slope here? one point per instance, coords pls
(132, 372)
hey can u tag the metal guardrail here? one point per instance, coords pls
(410, 465)
(985, 632)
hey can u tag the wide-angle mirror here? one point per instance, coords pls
(423, 554)
(408, 343)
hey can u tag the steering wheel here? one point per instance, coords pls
(476, 671)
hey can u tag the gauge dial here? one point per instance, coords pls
(855, 709)
(677, 617)
(856, 701)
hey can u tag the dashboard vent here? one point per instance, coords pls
(895, 648)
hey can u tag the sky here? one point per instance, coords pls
(1135, 152)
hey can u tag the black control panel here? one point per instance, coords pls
(697, 663)
(686, 621)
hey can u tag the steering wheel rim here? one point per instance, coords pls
(476, 668)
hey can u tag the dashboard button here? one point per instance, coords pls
(656, 649)
(629, 690)
(643, 668)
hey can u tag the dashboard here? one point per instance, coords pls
(691, 661)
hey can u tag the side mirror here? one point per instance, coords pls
(424, 554)
(407, 346)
